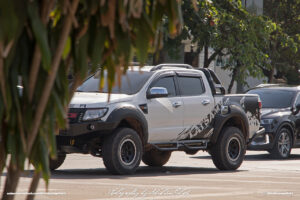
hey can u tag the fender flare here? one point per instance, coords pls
(130, 112)
(235, 112)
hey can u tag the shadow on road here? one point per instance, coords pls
(143, 171)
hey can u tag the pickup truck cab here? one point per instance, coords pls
(158, 110)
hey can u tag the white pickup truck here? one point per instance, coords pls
(158, 110)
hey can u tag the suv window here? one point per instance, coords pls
(274, 98)
(168, 83)
(191, 86)
(298, 99)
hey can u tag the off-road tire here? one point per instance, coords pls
(56, 163)
(122, 151)
(282, 144)
(229, 151)
(156, 158)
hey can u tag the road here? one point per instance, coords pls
(184, 177)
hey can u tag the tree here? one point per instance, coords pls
(285, 40)
(40, 43)
(232, 32)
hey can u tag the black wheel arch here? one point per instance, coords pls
(131, 117)
(235, 117)
(288, 125)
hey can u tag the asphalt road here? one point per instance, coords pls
(184, 177)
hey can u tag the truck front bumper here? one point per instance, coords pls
(83, 137)
(77, 129)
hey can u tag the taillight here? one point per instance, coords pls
(259, 104)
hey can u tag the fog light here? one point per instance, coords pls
(91, 127)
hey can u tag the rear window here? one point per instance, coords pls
(190, 86)
(272, 98)
(131, 83)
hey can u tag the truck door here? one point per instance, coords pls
(165, 114)
(198, 104)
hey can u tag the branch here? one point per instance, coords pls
(2, 79)
(36, 61)
(34, 69)
(213, 56)
(52, 75)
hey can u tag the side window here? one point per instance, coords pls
(298, 99)
(168, 83)
(191, 86)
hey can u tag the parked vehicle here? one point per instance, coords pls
(158, 110)
(280, 118)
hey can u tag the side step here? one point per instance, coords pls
(181, 145)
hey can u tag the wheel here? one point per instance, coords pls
(56, 163)
(122, 151)
(156, 158)
(229, 151)
(282, 144)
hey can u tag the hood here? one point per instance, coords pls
(274, 112)
(96, 100)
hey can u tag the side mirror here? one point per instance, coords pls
(220, 89)
(157, 92)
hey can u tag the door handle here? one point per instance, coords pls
(176, 104)
(205, 102)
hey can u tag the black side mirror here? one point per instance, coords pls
(157, 92)
(220, 89)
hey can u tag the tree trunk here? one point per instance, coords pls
(33, 185)
(234, 73)
(205, 64)
(11, 183)
(271, 76)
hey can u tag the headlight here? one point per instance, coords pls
(266, 121)
(94, 114)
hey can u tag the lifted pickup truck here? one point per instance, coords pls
(158, 110)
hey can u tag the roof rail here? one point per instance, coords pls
(160, 66)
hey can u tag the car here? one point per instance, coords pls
(280, 116)
(155, 111)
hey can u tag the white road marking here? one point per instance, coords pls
(181, 196)
(227, 180)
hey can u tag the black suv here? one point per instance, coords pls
(280, 116)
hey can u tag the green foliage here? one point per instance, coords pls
(285, 41)
(41, 42)
(232, 32)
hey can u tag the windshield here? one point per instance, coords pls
(131, 83)
(272, 98)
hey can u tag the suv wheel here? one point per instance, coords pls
(122, 151)
(282, 145)
(156, 158)
(229, 151)
(56, 163)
